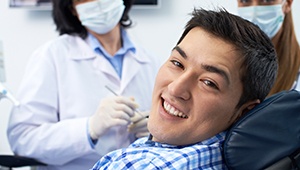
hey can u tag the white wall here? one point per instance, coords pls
(23, 30)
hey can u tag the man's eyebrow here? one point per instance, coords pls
(214, 69)
(180, 51)
(208, 68)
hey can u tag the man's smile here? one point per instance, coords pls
(173, 111)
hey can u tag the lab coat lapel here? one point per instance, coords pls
(131, 66)
(83, 51)
(104, 66)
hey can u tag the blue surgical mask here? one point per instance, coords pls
(269, 18)
(100, 16)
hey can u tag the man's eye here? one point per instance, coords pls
(176, 63)
(210, 84)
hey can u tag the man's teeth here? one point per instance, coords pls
(171, 110)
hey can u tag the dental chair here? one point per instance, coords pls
(14, 161)
(267, 137)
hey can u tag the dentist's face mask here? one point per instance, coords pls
(269, 18)
(100, 16)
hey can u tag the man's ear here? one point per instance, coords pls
(252, 104)
(287, 6)
(246, 108)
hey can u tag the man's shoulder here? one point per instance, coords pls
(144, 153)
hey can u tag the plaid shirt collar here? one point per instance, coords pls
(219, 138)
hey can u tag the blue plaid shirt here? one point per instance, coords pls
(146, 154)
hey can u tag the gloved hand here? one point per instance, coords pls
(113, 111)
(139, 125)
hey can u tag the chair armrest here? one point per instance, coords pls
(18, 161)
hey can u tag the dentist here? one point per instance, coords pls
(66, 117)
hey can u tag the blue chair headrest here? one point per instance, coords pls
(267, 133)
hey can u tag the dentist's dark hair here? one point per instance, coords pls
(63, 14)
(257, 54)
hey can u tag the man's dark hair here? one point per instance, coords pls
(258, 56)
(67, 23)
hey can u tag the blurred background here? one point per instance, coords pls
(157, 28)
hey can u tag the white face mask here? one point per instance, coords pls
(269, 18)
(100, 16)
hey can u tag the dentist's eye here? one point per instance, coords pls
(267, 1)
(245, 1)
(210, 84)
(178, 64)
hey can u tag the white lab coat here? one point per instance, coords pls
(62, 86)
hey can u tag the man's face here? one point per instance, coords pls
(201, 83)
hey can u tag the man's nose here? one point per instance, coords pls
(181, 86)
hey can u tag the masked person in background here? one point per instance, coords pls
(67, 118)
(275, 19)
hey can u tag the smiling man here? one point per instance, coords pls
(221, 68)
